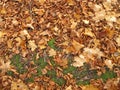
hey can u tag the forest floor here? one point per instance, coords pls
(59, 44)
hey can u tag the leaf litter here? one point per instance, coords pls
(59, 44)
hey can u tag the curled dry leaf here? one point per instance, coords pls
(32, 45)
(79, 61)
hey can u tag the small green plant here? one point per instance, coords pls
(41, 63)
(108, 75)
(69, 69)
(19, 65)
(80, 82)
(51, 73)
(30, 79)
(51, 44)
(60, 81)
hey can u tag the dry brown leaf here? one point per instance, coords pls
(88, 32)
(77, 45)
(74, 24)
(24, 33)
(32, 45)
(79, 61)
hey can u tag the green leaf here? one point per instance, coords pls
(108, 75)
(51, 44)
(59, 81)
(51, 73)
(70, 69)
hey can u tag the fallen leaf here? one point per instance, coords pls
(89, 87)
(4, 66)
(77, 45)
(52, 52)
(88, 32)
(69, 88)
(109, 63)
(32, 45)
(79, 61)
(118, 40)
(2, 34)
(19, 85)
